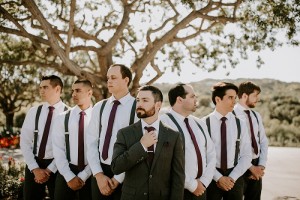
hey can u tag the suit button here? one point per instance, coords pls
(145, 193)
(150, 176)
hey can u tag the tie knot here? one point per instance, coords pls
(82, 113)
(186, 120)
(149, 128)
(223, 119)
(116, 102)
(51, 108)
(247, 112)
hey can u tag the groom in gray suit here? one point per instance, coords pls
(150, 153)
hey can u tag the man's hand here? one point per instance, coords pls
(257, 172)
(40, 175)
(75, 183)
(113, 183)
(103, 183)
(225, 183)
(148, 139)
(200, 189)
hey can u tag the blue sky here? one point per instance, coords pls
(282, 64)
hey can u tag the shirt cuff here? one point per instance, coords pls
(120, 177)
(191, 186)
(52, 167)
(33, 166)
(69, 176)
(83, 175)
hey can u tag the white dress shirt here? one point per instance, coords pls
(257, 127)
(122, 119)
(27, 134)
(191, 163)
(59, 143)
(245, 156)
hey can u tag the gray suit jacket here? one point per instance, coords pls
(164, 180)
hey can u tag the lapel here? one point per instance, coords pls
(162, 139)
(137, 130)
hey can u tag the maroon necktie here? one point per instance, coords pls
(109, 129)
(43, 144)
(223, 145)
(81, 141)
(253, 141)
(150, 149)
(199, 157)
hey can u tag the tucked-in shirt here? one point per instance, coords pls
(206, 147)
(245, 156)
(59, 143)
(259, 133)
(27, 134)
(95, 144)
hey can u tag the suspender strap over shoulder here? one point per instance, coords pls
(67, 135)
(132, 114)
(178, 127)
(202, 133)
(36, 128)
(238, 141)
(208, 125)
(100, 117)
(255, 115)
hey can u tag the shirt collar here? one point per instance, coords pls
(219, 116)
(240, 107)
(57, 105)
(177, 115)
(155, 124)
(123, 100)
(87, 111)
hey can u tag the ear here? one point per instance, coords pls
(126, 80)
(158, 105)
(58, 89)
(245, 96)
(179, 99)
(218, 99)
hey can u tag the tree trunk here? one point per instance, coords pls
(9, 120)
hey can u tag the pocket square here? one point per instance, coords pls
(166, 144)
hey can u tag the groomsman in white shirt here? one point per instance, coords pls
(248, 97)
(109, 116)
(200, 157)
(36, 143)
(231, 139)
(69, 146)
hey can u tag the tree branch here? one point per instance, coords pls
(71, 27)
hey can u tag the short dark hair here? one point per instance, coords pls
(157, 94)
(220, 88)
(125, 71)
(84, 82)
(54, 80)
(247, 87)
(177, 91)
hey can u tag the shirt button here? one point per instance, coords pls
(145, 193)
(150, 176)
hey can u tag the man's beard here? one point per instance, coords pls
(249, 104)
(145, 114)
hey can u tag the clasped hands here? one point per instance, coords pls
(106, 185)
(41, 175)
(225, 183)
